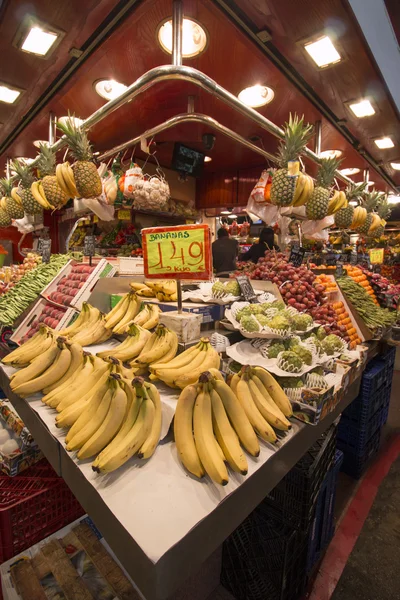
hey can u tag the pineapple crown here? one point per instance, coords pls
(46, 162)
(384, 210)
(354, 191)
(23, 173)
(77, 139)
(326, 171)
(372, 199)
(297, 135)
(6, 186)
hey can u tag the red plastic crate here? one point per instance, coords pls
(33, 505)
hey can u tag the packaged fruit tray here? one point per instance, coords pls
(45, 313)
(247, 353)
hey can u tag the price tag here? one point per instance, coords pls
(95, 219)
(124, 214)
(180, 252)
(297, 255)
(376, 256)
(246, 288)
(89, 245)
(44, 249)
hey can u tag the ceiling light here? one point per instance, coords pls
(38, 143)
(194, 38)
(109, 89)
(225, 212)
(256, 95)
(395, 166)
(353, 202)
(232, 216)
(64, 120)
(385, 142)
(362, 109)
(8, 94)
(393, 199)
(207, 159)
(38, 41)
(330, 154)
(349, 172)
(24, 159)
(323, 52)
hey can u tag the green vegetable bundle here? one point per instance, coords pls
(26, 290)
(373, 316)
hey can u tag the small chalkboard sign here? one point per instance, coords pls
(131, 238)
(297, 255)
(330, 260)
(44, 249)
(353, 259)
(246, 288)
(363, 261)
(89, 245)
(339, 270)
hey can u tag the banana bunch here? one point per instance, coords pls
(359, 217)
(164, 291)
(39, 195)
(35, 346)
(123, 313)
(376, 223)
(131, 347)
(66, 180)
(337, 202)
(263, 400)
(110, 188)
(304, 189)
(147, 316)
(185, 369)
(89, 328)
(161, 346)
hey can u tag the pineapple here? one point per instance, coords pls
(47, 168)
(31, 207)
(13, 208)
(87, 179)
(371, 200)
(344, 216)
(5, 219)
(383, 211)
(296, 138)
(317, 206)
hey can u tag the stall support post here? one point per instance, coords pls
(179, 294)
(318, 137)
(52, 128)
(177, 26)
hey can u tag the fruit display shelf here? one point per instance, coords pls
(160, 522)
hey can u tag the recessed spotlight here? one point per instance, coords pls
(256, 95)
(36, 37)
(385, 142)
(8, 94)
(353, 202)
(363, 108)
(38, 143)
(109, 89)
(194, 37)
(330, 154)
(232, 216)
(350, 171)
(395, 166)
(96, 153)
(392, 199)
(24, 159)
(38, 41)
(64, 120)
(323, 52)
(225, 212)
(207, 159)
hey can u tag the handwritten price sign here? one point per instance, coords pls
(376, 256)
(181, 252)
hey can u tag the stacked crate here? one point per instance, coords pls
(359, 430)
(274, 549)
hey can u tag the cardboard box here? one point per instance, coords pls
(103, 269)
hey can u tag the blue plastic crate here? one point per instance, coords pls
(355, 436)
(329, 521)
(363, 408)
(374, 377)
(388, 354)
(355, 464)
(384, 415)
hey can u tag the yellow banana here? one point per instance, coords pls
(274, 390)
(37, 366)
(38, 197)
(149, 446)
(68, 176)
(258, 422)
(90, 420)
(183, 432)
(275, 419)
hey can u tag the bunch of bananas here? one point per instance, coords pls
(185, 369)
(131, 347)
(123, 313)
(161, 346)
(89, 328)
(66, 180)
(148, 316)
(337, 202)
(359, 217)
(35, 346)
(164, 291)
(39, 195)
(263, 400)
(304, 189)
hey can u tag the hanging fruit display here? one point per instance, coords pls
(287, 177)
(344, 216)
(369, 204)
(29, 202)
(317, 205)
(5, 219)
(49, 187)
(383, 212)
(12, 205)
(84, 172)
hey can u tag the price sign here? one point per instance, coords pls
(246, 288)
(180, 252)
(131, 238)
(376, 256)
(124, 214)
(330, 260)
(339, 270)
(297, 255)
(44, 248)
(89, 245)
